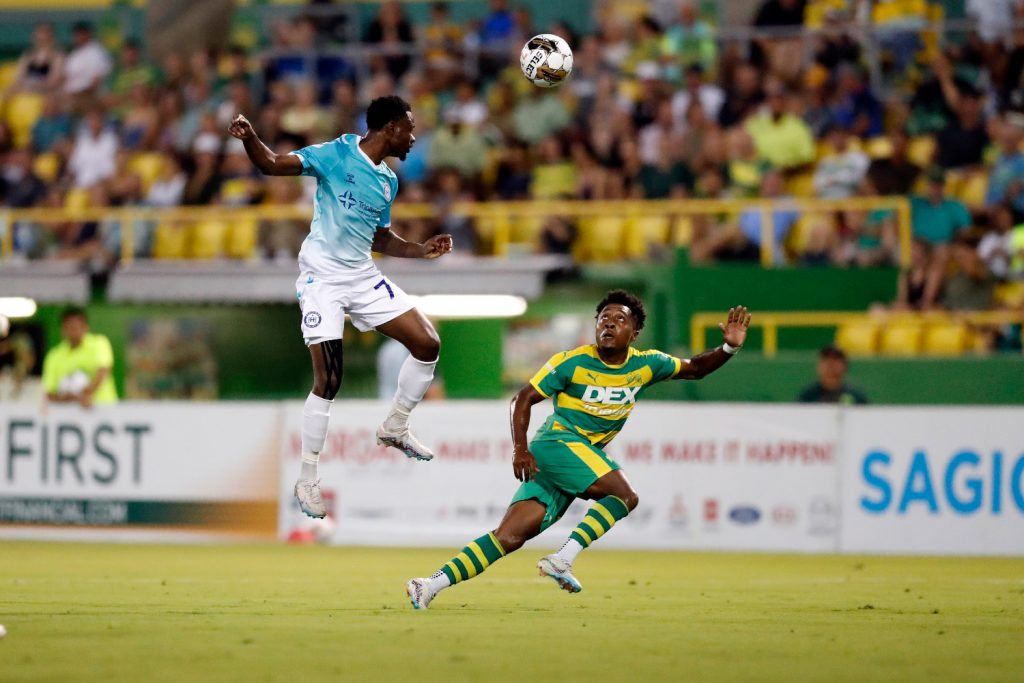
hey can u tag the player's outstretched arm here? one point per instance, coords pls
(734, 333)
(388, 243)
(262, 157)
(524, 465)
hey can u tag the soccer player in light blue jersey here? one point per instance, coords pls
(351, 219)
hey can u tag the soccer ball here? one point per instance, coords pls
(546, 60)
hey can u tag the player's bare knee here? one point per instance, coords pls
(630, 498)
(426, 349)
(510, 541)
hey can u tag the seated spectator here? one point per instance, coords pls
(514, 172)
(782, 138)
(743, 96)
(239, 100)
(839, 174)
(591, 177)
(831, 386)
(558, 235)
(913, 280)
(895, 174)
(854, 106)
(466, 106)
(204, 179)
(52, 126)
(690, 41)
(971, 287)
(441, 40)
(93, 158)
(996, 246)
(816, 110)
(131, 71)
(709, 96)
(539, 115)
(20, 187)
(305, 117)
(169, 186)
(746, 169)
(660, 137)
(458, 146)
(139, 127)
(781, 53)
(450, 190)
(937, 219)
(668, 178)
(86, 66)
(554, 175)
(41, 67)
(1006, 179)
(391, 32)
(741, 241)
(345, 110)
(498, 25)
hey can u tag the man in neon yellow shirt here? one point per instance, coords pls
(78, 370)
(782, 138)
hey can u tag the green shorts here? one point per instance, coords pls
(567, 468)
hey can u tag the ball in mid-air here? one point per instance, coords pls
(546, 60)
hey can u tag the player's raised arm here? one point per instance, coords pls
(734, 333)
(262, 156)
(524, 465)
(388, 243)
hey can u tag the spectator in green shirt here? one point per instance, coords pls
(78, 370)
(936, 219)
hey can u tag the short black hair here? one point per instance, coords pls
(627, 299)
(384, 110)
(82, 27)
(73, 312)
(832, 351)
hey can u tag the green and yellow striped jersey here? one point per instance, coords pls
(593, 399)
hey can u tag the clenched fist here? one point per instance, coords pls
(241, 128)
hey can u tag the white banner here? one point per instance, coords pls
(719, 477)
(933, 480)
(165, 465)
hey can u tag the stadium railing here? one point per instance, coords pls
(608, 230)
(877, 332)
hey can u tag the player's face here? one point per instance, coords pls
(615, 327)
(402, 138)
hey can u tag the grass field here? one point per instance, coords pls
(281, 613)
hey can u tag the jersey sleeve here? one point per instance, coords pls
(385, 216)
(315, 159)
(663, 366)
(551, 378)
(51, 378)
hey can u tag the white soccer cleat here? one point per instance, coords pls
(405, 442)
(561, 571)
(310, 502)
(419, 593)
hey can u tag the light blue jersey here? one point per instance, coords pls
(353, 200)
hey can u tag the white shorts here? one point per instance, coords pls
(369, 299)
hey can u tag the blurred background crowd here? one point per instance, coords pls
(832, 99)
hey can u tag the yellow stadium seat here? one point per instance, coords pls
(47, 166)
(170, 240)
(901, 338)
(973, 189)
(946, 339)
(1010, 294)
(22, 111)
(600, 239)
(801, 185)
(922, 150)
(76, 199)
(858, 338)
(526, 229)
(879, 147)
(801, 233)
(242, 238)
(207, 239)
(8, 70)
(644, 231)
(147, 165)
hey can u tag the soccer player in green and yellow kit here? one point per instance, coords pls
(594, 389)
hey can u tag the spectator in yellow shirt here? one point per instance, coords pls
(781, 138)
(78, 370)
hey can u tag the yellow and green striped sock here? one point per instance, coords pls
(601, 517)
(474, 558)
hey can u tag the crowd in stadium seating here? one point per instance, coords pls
(656, 108)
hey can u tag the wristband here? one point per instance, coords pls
(730, 349)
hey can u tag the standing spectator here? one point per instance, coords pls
(831, 386)
(94, 156)
(781, 137)
(709, 96)
(962, 142)
(896, 174)
(86, 66)
(41, 68)
(78, 370)
(391, 31)
(1006, 179)
(839, 174)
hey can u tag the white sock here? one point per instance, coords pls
(570, 550)
(413, 381)
(438, 582)
(316, 414)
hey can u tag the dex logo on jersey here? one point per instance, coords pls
(611, 396)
